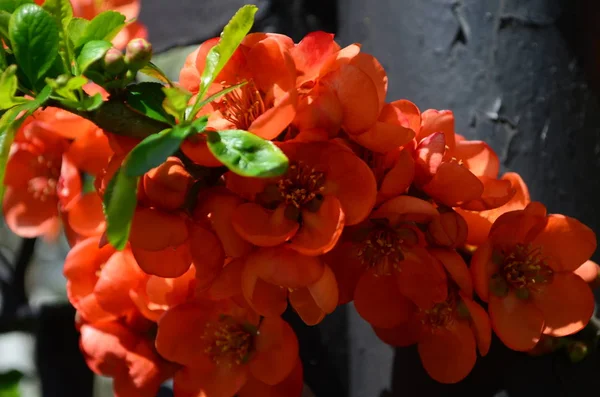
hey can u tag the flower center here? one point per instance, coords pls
(228, 341)
(381, 250)
(242, 106)
(44, 185)
(302, 186)
(442, 315)
(524, 266)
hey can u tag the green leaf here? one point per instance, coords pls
(34, 38)
(176, 101)
(76, 28)
(231, 37)
(8, 88)
(120, 199)
(3, 62)
(11, 5)
(4, 21)
(62, 11)
(154, 71)
(69, 88)
(91, 103)
(104, 26)
(9, 384)
(9, 124)
(147, 98)
(91, 52)
(246, 154)
(155, 149)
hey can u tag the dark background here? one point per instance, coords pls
(520, 74)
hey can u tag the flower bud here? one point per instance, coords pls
(448, 230)
(114, 62)
(138, 53)
(577, 351)
(167, 185)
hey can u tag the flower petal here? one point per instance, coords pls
(320, 230)
(276, 351)
(567, 304)
(207, 253)
(169, 262)
(449, 354)
(291, 386)
(263, 227)
(155, 230)
(518, 323)
(482, 269)
(456, 267)
(480, 324)
(86, 216)
(566, 241)
(378, 300)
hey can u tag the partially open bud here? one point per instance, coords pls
(114, 62)
(167, 185)
(448, 230)
(138, 53)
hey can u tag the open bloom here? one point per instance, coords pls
(39, 177)
(222, 347)
(99, 280)
(325, 188)
(110, 348)
(339, 88)
(525, 273)
(265, 105)
(450, 333)
(382, 263)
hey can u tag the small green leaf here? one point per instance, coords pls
(92, 52)
(155, 149)
(8, 88)
(67, 89)
(76, 28)
(34, 38)
(4, 21)
(3, 62)
(9, 384)
(9, 124)
(155, 72)
(104, 26)
(11, 5)
(120, 199)
(87, 104)
(147, 98)
(246, 154)
(176, 101)
(62, 11)
(231, 37)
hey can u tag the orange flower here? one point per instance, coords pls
(525, 273)
(99, 280)
(38, 177)
(383, 265)
(480, 222)
(156, 294)
(112, 349)
(265, 105)
(589, 271)
(272, 275)
(223, 347)
(448, 334)
(325, 188)
(454, 171)
(339, 88)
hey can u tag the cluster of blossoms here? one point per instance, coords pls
(381, 204)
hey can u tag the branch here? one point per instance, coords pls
(117, 117)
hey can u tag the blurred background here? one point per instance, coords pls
(524, 75)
